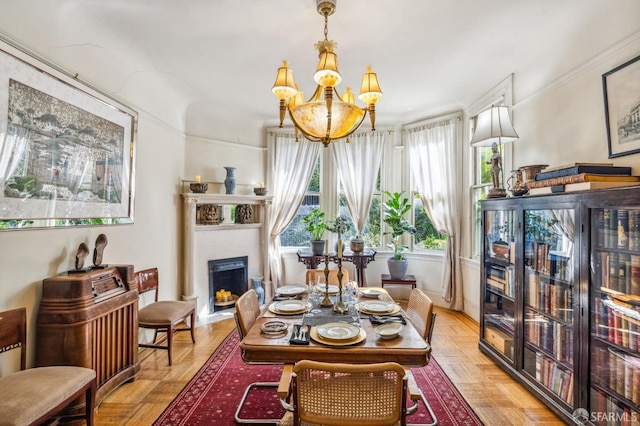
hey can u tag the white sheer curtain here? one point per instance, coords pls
(291, 165)
(433, 152)
(13, 148)
(358, 162)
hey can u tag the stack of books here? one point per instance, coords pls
(581, 177)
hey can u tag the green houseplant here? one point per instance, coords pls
(395, 208)
(316, 224)
(340, 225)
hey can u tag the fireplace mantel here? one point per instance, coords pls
(203, 242)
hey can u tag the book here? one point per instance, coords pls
(623, 229)
(582, 177)
(569, 165)
(574, 170)
(583, 186)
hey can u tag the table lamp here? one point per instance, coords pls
(493, 129)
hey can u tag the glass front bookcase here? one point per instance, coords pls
(615, 314)
(499, 281)
(548, 295)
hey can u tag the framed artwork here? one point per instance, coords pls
(66, 151)
(621, 88)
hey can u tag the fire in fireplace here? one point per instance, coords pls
(227, 274)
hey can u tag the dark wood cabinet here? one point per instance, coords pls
(90, 319)
(560, 300)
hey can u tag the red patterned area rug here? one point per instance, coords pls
(213, 395)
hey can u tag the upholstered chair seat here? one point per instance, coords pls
(37, 395)
(160, 312)
(163, 316)
(26, 394)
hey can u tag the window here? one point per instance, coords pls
(426, 237)
(479, 177)
(296, 234)
(480, 187)
(371, 234)
(325, 192)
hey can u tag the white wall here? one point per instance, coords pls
(566, 122)
(207, 158)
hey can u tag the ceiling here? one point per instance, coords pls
(206, 67)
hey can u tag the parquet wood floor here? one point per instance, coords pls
(494, 396)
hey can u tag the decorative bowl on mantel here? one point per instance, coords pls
(260, 191)
(199, 188)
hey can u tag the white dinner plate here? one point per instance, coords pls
(292, 290)
(338, 331)
(290, 305)
(378, 306)
(370, 293)
(346, 343)
(389, 330)
(333, 289)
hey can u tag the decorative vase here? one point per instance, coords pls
(357, 245)
(258, 287)
(397, 268)
(230, 181)
(529, 172)
(317, 247)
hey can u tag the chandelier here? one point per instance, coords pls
(323, 117)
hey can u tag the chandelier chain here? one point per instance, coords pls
(326, 26)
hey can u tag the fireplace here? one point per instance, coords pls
(228, 274)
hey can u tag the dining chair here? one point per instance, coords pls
(246, 314)
(420, 313)
(313, 274)
(340, 394)
(36, 395)
(164, 316)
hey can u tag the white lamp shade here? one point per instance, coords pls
(494, 126)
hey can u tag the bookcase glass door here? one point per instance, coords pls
(548, 295)
(615, 318)
(499, 281)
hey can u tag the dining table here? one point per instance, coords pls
(407, 348)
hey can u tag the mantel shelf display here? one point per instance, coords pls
(560, 299)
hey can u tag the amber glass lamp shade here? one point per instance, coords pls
(327, 74)
(348, 96)
(370, 91)
(284, 87)
(311, 119)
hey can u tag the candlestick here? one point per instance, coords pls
(198, 179)
(326, 247)
(326, 301)
(340, 307)
(339, 248)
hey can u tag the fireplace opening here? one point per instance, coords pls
(230, 275)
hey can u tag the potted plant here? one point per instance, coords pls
(340, 225)
(316, 225)
(394, 210)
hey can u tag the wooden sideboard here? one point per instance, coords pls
(90, 319)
